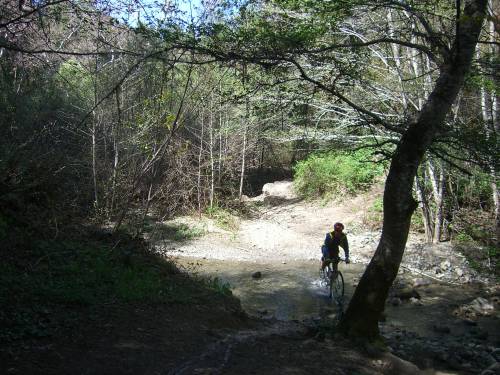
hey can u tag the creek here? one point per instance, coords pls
(425, 331)
(285, 291)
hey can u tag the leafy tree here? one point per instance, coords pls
(291, 43)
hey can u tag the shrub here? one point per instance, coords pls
(374, 214)
(473, 225)
(223, 218)
(336, 172)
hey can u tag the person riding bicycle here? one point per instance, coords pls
(330, 248)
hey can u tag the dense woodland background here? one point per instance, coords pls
(106, 118)
(114, 112)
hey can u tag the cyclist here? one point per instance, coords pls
(330, 248)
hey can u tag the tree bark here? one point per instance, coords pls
(424, 206)
(438, 190)
(212, 162)
(367, 304)
(492, 123)
(200, 154)
(94, 162)
(243, 160)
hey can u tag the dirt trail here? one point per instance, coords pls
(285, 229)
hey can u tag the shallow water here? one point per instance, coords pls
(292, 290)
(285, 291)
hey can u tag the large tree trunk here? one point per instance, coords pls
(367, 304)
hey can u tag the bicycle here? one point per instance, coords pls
(334, 280)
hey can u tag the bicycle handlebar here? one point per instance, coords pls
(338, 258)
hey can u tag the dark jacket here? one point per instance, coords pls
(332, 243)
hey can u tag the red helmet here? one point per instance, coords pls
(338, 226)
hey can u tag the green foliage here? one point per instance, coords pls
(484, 259)
(72, 273)
(178, 232)
(463, 238)
(470, 225)
(223, 217)
(374, 215)
(474, 190)
(337, 172)
(417, 221)
(76, 83)
(219, 286)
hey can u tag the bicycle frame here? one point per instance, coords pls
(335, 282)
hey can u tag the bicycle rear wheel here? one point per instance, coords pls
(337, 287)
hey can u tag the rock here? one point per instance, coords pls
(308, 344)
(415, 301)
(482, 335)
(282, 189)
(445, 265)
(396, 365)
(469, 322)
(494, 369)
(205, 371)
(320, 336)
(395, 301)
(257, 275)
(495, 353)
(482, 306)
(454, 364)
(479, 306)
(441, 355)
(459, 272)
(407, 294)
(441, 328)
(421, 282)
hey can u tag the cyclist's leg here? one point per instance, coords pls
(325, 262)
(335, 259)
(324, 258)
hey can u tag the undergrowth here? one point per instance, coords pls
(223, 217)
(483, 259)
(177, 231)
(336, 173)
(57, 282)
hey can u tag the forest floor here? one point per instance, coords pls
(202, 329)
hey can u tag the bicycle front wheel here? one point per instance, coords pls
(337, 287)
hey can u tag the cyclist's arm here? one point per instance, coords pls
(345, 246)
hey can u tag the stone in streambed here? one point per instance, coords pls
(441, 328)
(406, 294)
(395, 301)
